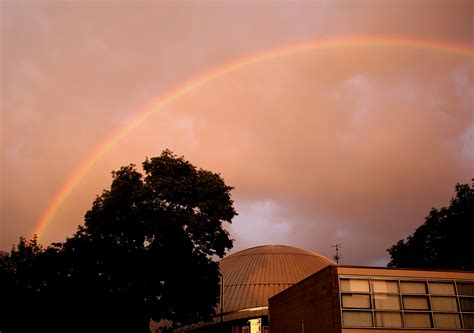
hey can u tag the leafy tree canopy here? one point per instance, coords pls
(145, 252)
(445, 240)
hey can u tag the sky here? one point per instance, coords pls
(351, 144)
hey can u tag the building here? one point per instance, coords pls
(350, 299)
(250, 278)
(283, 289)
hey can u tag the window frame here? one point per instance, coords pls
(430, 311)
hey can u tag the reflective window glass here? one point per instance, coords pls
(360, 301)
(386, 302)
(467, 304)
(357, 319)
(415, 303)
(388, 319)
(447, 320)
(442, 288)
(468, 320)
(381, 286)
(466, 289)
(433, 303)
(355, 285)
(413, 287)
(444, 304)
(417, 320)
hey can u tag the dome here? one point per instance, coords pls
(254, 275)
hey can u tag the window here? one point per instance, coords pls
(413, 287)
(417, 320)
(357, 318)
(468, 320)
(467, 304)
(355, 285)
(444, 304)
(360, 301)
(386, 302)
(388, 319)
(466, 289)
(442, 288)
(447, 320)
(411, 303)
(380, 286)
(355, 294)
(415, 303)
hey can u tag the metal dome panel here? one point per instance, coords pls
(254, 275)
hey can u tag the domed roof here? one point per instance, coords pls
(254, 275)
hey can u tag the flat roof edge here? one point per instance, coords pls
(407, 269)
(405, 272)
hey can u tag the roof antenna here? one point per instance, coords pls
(337, 257)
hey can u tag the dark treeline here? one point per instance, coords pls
(144, 252)
(445, 240)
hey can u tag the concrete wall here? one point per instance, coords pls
(310, 306)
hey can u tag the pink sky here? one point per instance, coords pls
(351, 145)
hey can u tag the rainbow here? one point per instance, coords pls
(225, 69)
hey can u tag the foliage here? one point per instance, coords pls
(19, 282)
(444, 241)
(145, 251)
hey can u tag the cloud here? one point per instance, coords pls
(467, 142)
(259, 223)
(318, 156)
(349, 145)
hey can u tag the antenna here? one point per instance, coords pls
(337, 257)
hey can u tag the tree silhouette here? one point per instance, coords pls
(18, 282)
(444, 241)
(145, 252)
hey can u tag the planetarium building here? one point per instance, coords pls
(284, 289)
(250, 278)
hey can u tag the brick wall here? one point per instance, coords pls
(312, 303)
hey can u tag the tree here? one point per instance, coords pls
(25, 274)
(444, 241)
(145, 252)
(16, 283)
